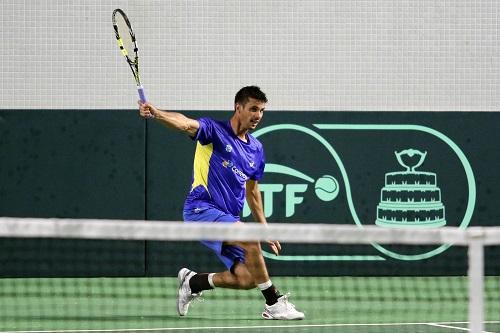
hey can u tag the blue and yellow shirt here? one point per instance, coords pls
(222, 165)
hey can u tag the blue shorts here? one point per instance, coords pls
(228, 254)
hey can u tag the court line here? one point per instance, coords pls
(247, 327)
(453, 327)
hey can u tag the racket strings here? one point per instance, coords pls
(126, 41)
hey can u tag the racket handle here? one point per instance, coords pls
(142, 94)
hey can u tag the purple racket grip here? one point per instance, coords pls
(142, 95)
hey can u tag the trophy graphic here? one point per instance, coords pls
(410, 198)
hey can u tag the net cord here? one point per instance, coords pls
(285, 232)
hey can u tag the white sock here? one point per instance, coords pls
(211, 279)
(265, 285)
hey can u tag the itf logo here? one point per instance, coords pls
(301, 182)
(326, 188)
(358, 180)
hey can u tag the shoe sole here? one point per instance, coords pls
(180, 279)
(267, 316)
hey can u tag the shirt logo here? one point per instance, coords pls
(229, 148)
(251, 163)
(229, 164)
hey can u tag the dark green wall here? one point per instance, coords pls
(73, 164)
(112, 164)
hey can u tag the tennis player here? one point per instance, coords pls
(228, 164)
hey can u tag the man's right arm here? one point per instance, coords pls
(170, 119)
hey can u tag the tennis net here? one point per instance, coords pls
(118, 276)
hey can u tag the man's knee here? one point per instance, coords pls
(244, 278)
(251, 247)
(247, 282)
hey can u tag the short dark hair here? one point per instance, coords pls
(247, 92)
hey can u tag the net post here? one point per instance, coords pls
(476, 283)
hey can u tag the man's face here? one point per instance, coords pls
(250, 113)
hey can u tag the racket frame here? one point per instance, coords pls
(133, 63)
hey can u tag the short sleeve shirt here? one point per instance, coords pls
(223, 163)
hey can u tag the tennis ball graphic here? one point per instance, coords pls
(326, 188)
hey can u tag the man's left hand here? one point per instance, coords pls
(275, 246)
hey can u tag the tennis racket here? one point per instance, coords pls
(127, 43)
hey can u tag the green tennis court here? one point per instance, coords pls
(331, 304)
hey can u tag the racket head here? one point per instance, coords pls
(126, 41)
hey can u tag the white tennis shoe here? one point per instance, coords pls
(282, 310)
(184, 294)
